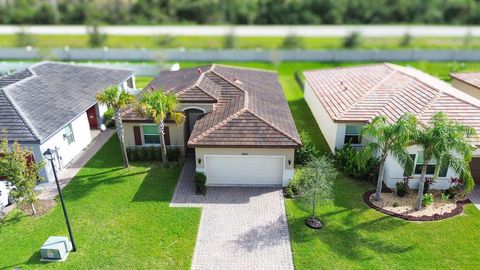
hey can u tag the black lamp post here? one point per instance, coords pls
(50, 155)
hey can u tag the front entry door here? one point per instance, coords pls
(192, 115)
(92, 117)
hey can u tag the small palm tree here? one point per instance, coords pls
(385, 138)
(158, 105)
(117, 99)
(446, 142)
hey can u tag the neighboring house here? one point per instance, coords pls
(238, 124)
(468, 82)
(53, 105)
(342, 100)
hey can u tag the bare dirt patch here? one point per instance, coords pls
(42, 207)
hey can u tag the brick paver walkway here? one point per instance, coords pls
(240, 227)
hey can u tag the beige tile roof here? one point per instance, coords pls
(472, 78)
(358, 94)
(250, 108)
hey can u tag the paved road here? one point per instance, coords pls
(304, 30)
(240, 227)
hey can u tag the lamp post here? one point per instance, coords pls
(50, 155)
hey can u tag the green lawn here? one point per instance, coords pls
(357, 237)
(120, 219)
(133, 211)
(215, 42)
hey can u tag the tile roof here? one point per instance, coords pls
(359, 94)
(41, 100)
(250, 107)
(472, 78)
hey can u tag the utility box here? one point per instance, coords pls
(56, 248)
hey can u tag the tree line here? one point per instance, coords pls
(239, 11)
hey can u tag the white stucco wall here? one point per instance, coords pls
(288, 153)
(81, 132)
(394, 173)
(467, 88)
(327, 126)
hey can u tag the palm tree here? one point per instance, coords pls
(446, 142)
(158, 105)
(384, 139)
(117, 99)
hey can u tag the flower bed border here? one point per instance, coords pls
(458, 210)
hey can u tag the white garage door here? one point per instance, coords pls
(244, 170)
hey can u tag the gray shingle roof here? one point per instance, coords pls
(51, 97)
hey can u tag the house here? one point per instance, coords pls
(238, 124)
(342, 100)
(52, 105)
(468, 82)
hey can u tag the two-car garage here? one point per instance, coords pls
(245, 166)
(244, 170)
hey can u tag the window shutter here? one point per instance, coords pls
(166, 135)
(138, 135)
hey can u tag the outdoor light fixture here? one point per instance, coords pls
(49, 154)
(289, 162)
(199, 161)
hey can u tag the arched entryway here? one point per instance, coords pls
(191, 117)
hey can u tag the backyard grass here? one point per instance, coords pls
(120, 219)
(216, 42)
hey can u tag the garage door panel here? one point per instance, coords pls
(244, 170)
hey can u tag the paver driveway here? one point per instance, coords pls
(240, 228)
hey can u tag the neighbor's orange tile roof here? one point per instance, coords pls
(472, 78)
(359, 94)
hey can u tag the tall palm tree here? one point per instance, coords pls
(446, 142)
(158, 105)
(117, 99)
(384, 138)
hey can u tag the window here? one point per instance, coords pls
(352, 135)
(418, 161)
(130, 82)
(68, 134)
(150, 134)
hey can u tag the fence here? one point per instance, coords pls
(107, 54)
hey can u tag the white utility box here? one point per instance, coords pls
(56, 248)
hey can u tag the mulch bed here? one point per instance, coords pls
(314, 223)
(42, 207)
(458, 210)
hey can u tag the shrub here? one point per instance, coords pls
(142, 153)
(308, 149)
(174, 153)
(427, 199)
(165, 41)
(453, 191)
(95, 37)
(292, 41)
(108, 118)
(293, 188)
(402, 187)
(428, 182)
(445, 196)
(352, 40)
(200, 183)
(348, 159)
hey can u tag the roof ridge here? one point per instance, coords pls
(18, 111)
(218, 125)
(245, 68)
(245, 97)
(364, 96)
(273, 126)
